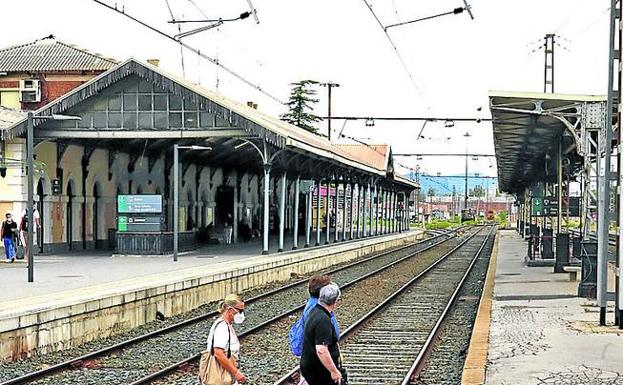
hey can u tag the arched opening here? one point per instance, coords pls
(96, 215)
(69, 215)
(190, 217)
(40, 207)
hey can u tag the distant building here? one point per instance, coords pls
(36, 73)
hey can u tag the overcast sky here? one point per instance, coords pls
(453, 61)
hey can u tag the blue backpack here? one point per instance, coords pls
(296, 336)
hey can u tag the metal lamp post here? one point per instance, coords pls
(176, 193)
(30, 140)
(466, 135)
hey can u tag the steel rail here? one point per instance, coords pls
(428, 345)
(283, 380)
(76, 362)
(172, 368)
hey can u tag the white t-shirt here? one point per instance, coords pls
(224, 337)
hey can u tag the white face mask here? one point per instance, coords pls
(238, 318)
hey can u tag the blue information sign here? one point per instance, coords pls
(138, 204)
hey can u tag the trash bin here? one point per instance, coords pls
(588, 284)
(112, 242)
(562, 252)
(577, 247)
(547, 251)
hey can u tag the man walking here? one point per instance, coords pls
(320, 358)
(9, 229)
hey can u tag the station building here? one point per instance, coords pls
(259, 171)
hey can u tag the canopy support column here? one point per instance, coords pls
(336, 207)
(328, 212)
(308, 214)
(295, 240)
(352, 209)
(266, 207)
(364, 212)
(282, 211)
(318, 185)
(344, 212)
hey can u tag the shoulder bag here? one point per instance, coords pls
(210, 370)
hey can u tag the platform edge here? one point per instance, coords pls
(474, 369)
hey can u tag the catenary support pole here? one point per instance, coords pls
(30, 147)
(295, 239)
(603, 178)
(282, 211)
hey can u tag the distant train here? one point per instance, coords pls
(467, 215)
(490, 216)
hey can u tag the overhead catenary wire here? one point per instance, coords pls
(398, 54)
(195, 50)
(179, 30)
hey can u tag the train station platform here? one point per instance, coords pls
(532, 329)
(78, 298)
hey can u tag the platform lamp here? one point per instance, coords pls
(176, 192)
(30, 118)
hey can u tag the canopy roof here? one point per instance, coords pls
(528, 129)
(236, 120)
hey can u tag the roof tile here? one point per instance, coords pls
(51, 55)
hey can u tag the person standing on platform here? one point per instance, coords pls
(23, 227)
(219, 362)
(320, 359)
(229, 229)
(9, 231)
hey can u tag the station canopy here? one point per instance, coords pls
(527, 131)
(126, 108)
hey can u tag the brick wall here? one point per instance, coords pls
(51, 90)
(53, 85)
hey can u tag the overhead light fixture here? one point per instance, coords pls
(196, 147)
(369, 122)
(240, 145)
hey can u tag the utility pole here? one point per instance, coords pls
(466, 135)
(329, 86)
(549, 63)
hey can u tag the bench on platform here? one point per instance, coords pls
(573, 272)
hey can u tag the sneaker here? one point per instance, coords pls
(12, 260)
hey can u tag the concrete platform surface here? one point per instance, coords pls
(540, 332)
(85, 269)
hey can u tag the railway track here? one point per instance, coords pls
(106, 365)
(265, 355)
(390, 343)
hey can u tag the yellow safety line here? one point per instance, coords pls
(476, 361)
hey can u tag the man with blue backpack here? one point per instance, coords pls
(316, 283)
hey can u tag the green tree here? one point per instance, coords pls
(477, 191)
(301, 104)
(432, 192)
